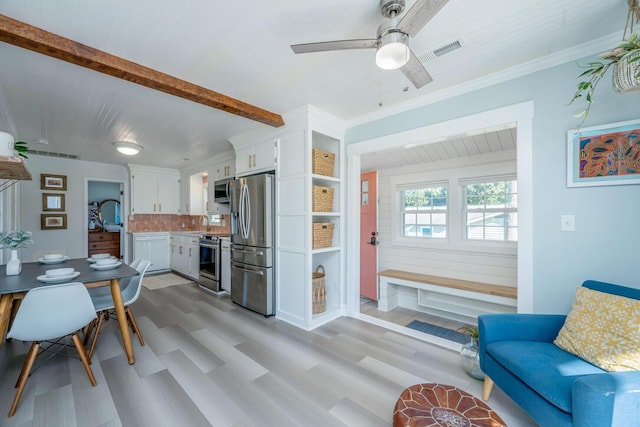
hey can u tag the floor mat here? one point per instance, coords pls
(164, 281)
(439, 331)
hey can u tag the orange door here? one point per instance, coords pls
(369, 235)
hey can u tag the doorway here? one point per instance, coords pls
(369, 235)
(519, 116)
(104, 220)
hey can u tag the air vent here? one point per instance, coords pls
(442, 50)
(50, 154)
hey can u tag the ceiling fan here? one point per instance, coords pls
(392, 40)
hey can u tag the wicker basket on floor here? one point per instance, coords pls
(322, 235)
(322, 162)
(319, 290)
(322, 199)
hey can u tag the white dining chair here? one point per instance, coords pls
(105, 308)
(48, 313)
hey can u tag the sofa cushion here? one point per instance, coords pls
(544, 367)
(603, 329)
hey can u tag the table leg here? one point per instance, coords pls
(5, 313)
(122, 320)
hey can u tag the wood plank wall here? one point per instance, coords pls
(452, 260)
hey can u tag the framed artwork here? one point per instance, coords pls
(604, 155)
(53, 221)
(53, 202)
(53, 182)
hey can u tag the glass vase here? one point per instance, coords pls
(471, 359)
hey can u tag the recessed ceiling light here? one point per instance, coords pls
(128, 148)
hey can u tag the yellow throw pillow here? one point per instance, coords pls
(603, 329)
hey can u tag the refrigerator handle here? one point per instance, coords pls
(247, 213)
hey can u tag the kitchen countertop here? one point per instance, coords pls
(179, 232)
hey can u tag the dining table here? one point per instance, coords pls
(13, 288)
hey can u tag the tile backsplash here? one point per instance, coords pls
(160, 222)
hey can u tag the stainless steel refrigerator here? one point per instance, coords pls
(253, 242)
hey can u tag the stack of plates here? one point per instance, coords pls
(96, 257)
(53, 259)
(58, 275)
(106, 263)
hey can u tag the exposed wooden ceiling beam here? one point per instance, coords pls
(38, 40)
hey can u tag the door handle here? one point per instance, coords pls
(260, 273)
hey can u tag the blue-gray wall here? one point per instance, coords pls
(605, 243)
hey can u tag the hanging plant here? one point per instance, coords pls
(626, 61)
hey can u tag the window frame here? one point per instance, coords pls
(401, 211)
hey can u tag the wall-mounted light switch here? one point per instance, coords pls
(567, 223)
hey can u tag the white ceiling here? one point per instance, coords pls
(241, 49)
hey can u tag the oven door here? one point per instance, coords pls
(210, 265)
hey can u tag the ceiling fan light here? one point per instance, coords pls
(393, 51)
(128, 148)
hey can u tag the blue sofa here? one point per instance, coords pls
(554, 387)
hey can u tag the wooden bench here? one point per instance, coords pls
(461, 300)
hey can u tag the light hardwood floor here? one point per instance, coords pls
(209, 362)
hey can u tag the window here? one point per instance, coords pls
(491, 211)
(424, 212)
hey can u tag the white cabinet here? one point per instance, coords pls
(185, 254)
(256, 158)
(297, 256)
(154, 247)
(154, 190)
(225, 260)
(224, 170)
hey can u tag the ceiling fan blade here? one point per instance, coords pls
(334, 45)
(421, 13)
(415, 72)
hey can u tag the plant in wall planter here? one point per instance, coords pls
(625, 60)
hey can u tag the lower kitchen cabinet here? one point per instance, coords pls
(225, 261)
(185, 255)
(154, 247)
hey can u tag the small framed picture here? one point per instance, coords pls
(53, 182)
(53, 221)
(52, 202)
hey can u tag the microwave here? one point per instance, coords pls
(221, 191)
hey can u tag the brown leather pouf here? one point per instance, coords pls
(442, 405)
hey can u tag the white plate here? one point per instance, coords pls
(47, 279)
(106, 266)
(94, 260)
(53, 261)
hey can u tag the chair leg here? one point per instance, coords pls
(486, 388)
(24, 375)
(83, 357)
(134, 325)
(95, 334)
(89, 331)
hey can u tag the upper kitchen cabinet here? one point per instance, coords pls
(193, 193)
(224, 170)
(154, 190)
(258, 157)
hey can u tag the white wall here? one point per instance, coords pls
(71, 241)
(488, 262)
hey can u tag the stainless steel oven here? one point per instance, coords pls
(210, 256)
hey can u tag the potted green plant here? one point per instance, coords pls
(15, 240)
(469, 352)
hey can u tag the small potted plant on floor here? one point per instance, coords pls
(469, 352)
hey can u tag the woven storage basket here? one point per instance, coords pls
(322, 162)
(322, 199)
(322, 234)
(319, 290)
